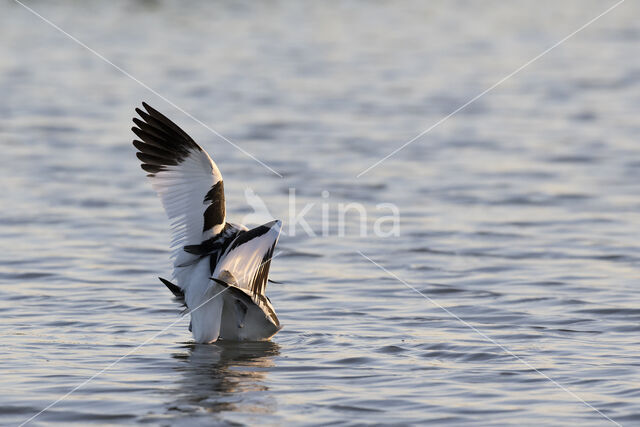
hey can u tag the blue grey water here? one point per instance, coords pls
(520, 214)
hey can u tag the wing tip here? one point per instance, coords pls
(175, 289)
(151, 169)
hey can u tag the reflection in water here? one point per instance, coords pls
(225, 376)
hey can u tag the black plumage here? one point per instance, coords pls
(249, 235)
(175, 290)
(215, 213)
(259, 282)
(162, 143)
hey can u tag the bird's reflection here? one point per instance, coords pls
(226, 376)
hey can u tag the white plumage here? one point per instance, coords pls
(220, 269)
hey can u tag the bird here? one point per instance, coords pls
(220, 269)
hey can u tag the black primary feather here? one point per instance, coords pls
(175, 290)
(162, 143)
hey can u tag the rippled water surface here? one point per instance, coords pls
(519, 215)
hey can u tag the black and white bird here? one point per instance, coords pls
(220, 269)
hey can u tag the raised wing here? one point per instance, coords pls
(184, 176)
(246, 261)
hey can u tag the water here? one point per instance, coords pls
(519, 214)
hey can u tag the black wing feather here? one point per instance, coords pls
(162, 143)
(175, 290)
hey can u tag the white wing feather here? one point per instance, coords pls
(186, 179)
(248, 258)
(182, 189)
